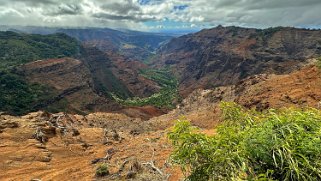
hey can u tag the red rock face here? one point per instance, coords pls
(71, 80)
(224, 56)
(82, 82)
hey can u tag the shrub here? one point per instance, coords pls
(273, 145)
(102, 170)
(319, 62)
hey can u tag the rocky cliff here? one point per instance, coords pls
(225, 55)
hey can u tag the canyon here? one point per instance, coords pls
(114, 99)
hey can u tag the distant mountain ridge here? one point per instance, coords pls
(226, 55)
(134, 45)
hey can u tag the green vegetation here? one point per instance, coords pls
(269, 32)
(102, 170)
(265, 34)
(273, 145)
(164, 99)
(106, 82)
(149, 60)
(162, 76)
(319, 62)
(17, 97)
(19, 48)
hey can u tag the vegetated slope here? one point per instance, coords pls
(18, 48)
(301, 88)
(100, 67)
(225, 55)
(72, 83)
(55, 78)
(17, 95)
(84, 86)
(133, 45)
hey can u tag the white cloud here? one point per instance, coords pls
(133, 13)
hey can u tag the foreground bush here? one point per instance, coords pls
(274, 145)
(102, 170)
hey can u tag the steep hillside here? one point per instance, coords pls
(112, 74)
(56, 73)
(225, 55)
(72, 83)
(18, 96)
(18, 48)
(300, 88)
(128, 72)
(82, 87)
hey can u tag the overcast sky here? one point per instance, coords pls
(158, 15)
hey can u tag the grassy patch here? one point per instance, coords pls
(102, 170)
(162, 76)
(273, 145)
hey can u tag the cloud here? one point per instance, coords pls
(116, 17)
(121, 7)
(28, 2)
(137, 14)
(65, 9)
